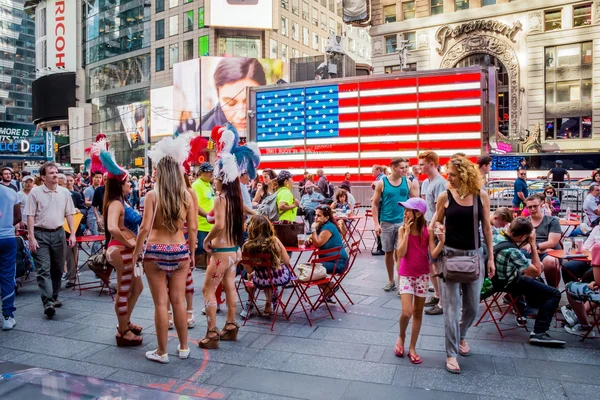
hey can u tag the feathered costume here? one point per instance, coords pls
(106, 159)
(177, 148)
(235, 159)
(92, 163)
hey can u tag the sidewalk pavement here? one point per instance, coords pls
(348, 358)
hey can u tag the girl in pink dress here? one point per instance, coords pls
(415, 243)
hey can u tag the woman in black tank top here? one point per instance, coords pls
(455, 214)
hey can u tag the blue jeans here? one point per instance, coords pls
(92, 225)
(200, 245)
(537, 294)
(8, 269)
(342, 263)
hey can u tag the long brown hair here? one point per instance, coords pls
(234, 211)
(171, 192)
(262, 239)
(327, 212)
(420, 222)
(113, 191)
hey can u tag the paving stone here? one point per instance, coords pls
(247, 395)
(360, 336)
(216, 373)
(71, 366)
(91, 349)
(361, 391)
(338, 368)
(15, 356)
(319, 347)
(404, 376)
(474, 382)
(437, 359)
(269, 359)
(503, 365)
(44, 326)
(374, 353)
(284, 384)
(581, 390)
(563, 371)
(43, 344)
(554, 390)
(568, 354)
(106, 320)
(506, 349)
(262, 341)
(369, 300)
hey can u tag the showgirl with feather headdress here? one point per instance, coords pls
(92, 163)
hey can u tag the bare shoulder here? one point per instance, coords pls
(443, 196)
(483, 194)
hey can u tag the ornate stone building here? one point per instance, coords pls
(547, 53)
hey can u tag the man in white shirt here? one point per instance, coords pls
(47, 207)
(590, 205)
(23, 196)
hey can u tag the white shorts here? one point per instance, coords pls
(415, 285)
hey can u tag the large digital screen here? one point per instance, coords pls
(161, 112)
(224, 81)
(133, 118)
(186, 96)
(256, 14)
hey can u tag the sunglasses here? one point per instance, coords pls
(549, 192)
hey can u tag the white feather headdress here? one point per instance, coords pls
(178, 149)
(227, 168)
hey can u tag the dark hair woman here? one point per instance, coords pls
(231, 77)
(223, 243)
(269, 186)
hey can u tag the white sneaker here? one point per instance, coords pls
(191, 320)
(183, 354)
(247, 311)
(578, 330)
(154, 356)
(570, 316)
(8, 323)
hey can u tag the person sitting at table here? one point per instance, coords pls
(515, 274)
(341, 201)
(582, 293)
(572, 271)
(590, 205)
(552, 202)
(326, 234)
(548, 234)
(546, 206)
(309, 202)
(262, 240)
(501, 218)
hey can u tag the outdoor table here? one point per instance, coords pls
(101, 284)
(299, 250)
(560, 254)
(570, 224)
(351, 226)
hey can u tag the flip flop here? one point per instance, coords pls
(414, 358)
(452, 367)
(399, 353)
(464, 350)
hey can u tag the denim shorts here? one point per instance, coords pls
(389, 236)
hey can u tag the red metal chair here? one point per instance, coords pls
(323, 285)
(364, 230)
(263, 262)
(492, 303)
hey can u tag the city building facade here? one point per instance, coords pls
(17, 62)
(546, 53)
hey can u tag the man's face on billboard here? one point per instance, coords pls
(232, 99)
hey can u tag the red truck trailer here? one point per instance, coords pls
(350, 124)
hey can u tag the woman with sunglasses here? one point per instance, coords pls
(552, 200)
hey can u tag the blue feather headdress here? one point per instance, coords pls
(246, 157)
(107, 158)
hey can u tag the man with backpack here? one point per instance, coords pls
(324, 185)
(516, 275)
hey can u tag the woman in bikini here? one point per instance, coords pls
(166, 255)
(223, 244)
(119, 254)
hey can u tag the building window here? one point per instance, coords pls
(160, 6)
(285, 4)
(295, 53)
(284, 52)
(188, 49)
(338, 29)
(323, 44)
(188, 19)
(305, 11)
(488, 2)
(284, 26)
(582, 15)
(323, 3)
(173, 54)
(173, 25)
(203, 46)
(160, 59)
(408, 10)
(173, 3)
(569, 128)
(569, 55)
(391, 43)
(389, 14)
(315, 17)
(160, 29)
(201, 17)
(394, 69)
(324, 22)
(332, 6)
(437, 7)
(315, 42)
(461, 5)
(412, 39)
(295, 31)
(239, 46)
(295, 7)
(305, 36)
(552, 20)
(331, 27)
(273, 48)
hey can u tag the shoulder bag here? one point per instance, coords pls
(456, 265)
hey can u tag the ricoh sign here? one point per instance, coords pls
(61, 35)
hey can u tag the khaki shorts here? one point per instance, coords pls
(389, 236)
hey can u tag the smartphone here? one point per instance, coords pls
(243, 2)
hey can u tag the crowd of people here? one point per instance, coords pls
(436, 232)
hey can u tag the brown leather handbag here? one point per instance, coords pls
(288, 232)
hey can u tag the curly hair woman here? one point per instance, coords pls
(454, 208)
(262, 240)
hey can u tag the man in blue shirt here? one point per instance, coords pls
(521, 191)
(310, 201)
(10, 214)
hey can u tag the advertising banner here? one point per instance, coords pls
(224, 81)
(61, 35)
(20, 142)
(77, 134)
(133, 118)
(161, 111)
(257, 14)
(186, 96)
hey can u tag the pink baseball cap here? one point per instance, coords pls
(415, 203)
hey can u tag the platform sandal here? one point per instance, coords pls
(230, 334)
(210, 342)
(136, 330)
(123, 342)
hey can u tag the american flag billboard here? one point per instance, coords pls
(351, 125)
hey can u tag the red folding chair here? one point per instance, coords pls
(301, 287)
(263, 262)
(356, 208)
(337, 279)
(492, 303)
(364, 230)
